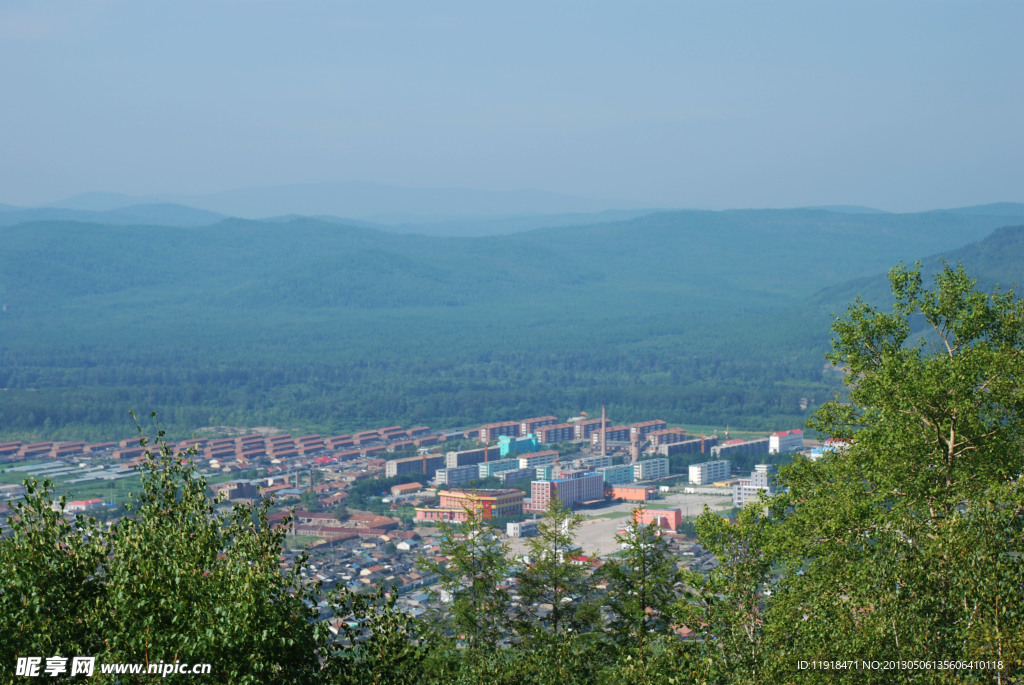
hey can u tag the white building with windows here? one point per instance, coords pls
(786, 441)
(706, 473)
(650, 469)
(762, 479)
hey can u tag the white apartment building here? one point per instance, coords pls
(708, 472)
(650, 469)
(762, 479)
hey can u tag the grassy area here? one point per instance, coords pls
(13, 477)
(299, 541)
(214, 478)
(115, 492)
(610, 515)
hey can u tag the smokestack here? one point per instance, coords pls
(604, 434)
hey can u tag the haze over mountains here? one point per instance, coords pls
(428, 211)
(698, 317)
(361, 200)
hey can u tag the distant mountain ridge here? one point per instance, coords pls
(378, 202)
(993, 209)
(701, 255)
(160, 214)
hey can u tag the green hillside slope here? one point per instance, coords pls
(995, 261)
(695, 317)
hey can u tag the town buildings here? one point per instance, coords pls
(612, 434)
(491, 468)
(738, 449)
(701, 445)
(457, 475)
(538, 459)
(666, 436)
(527, 426)
(426, 464)
(638, 431)
(558, 432)
(621, 474)
(634, 493)
(586, 427)
(650, 469)
(467, 457)
(508, 446)
(762, 479)
(786, 441)
(706, 473)
(572, 488)
(666, 519)
(456, 505)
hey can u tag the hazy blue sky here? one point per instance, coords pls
(900, 105)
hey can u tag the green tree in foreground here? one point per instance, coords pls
(174, 579)
(49, 590)
(472, 570)
(558, 614)
(380, 644)
(642, 594)
(907, 543)
(554, 576)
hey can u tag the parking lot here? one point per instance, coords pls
(597, 534)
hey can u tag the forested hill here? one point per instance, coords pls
(995, 261)
(695, 317)
(310, 263)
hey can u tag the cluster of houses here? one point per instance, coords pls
(311, 476)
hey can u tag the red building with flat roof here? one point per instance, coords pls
(668, 519)
(634, 493)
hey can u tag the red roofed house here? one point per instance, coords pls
(83, 505)
(786, 441)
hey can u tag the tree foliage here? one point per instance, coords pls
(554, 578)
(175, 578)
(472, 572)
(642, 589)
(906, 543)
(380, 644)
(50, 592)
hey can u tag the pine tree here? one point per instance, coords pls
(554, 576)
(557, 613)
(472, 572)
(642, 589)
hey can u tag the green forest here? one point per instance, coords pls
(699, 318)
